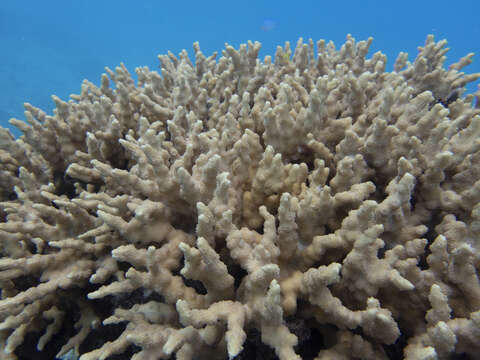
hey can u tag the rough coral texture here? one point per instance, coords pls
(308, 206)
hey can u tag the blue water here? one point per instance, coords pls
(49, 47)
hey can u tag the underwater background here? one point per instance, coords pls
(49, 47)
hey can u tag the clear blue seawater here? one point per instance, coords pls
(49, 47)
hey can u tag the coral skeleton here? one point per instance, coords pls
(306, 206)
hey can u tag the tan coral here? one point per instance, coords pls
(309, 200)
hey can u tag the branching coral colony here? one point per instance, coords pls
(314, 206)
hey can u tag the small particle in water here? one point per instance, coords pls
(268, 25)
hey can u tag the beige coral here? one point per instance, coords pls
(310, 203)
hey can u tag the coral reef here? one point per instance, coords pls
(310, 206)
